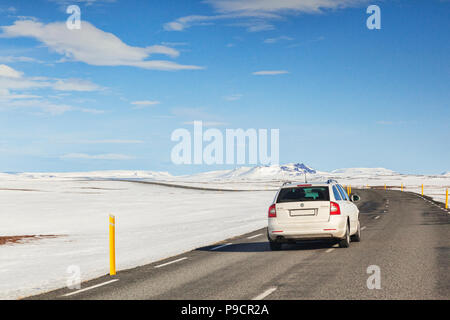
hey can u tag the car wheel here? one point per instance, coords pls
(345, 242)
(275, 246)
(357, 236)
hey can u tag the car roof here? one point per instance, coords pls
(301, 184)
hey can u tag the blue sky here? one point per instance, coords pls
(109, 96)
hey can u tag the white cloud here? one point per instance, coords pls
(233, 97)
(174, 26)
(208, 123)
(185, 22)
(10, 59)
(65, 3)
(75, 85)
(194, 20)
(42, 106)
(89, 110)
(93, 46)
(21, 83)
(175, 44)
(255, 26)
(110, 141)
(11, 79)
(8, 10)
(6, 95)
(257, 6)
(259, 11)
(159, 49)
(108, 156)
(278, 39)
(144, 104)
(8, 72)
(269, 72)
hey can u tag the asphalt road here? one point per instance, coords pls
(405, 235)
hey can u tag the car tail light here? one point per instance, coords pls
(334, 208)
(272, 211)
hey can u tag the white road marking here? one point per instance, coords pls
(329, 250)
(377, 217)
(363, 228)
(265, 294)
(255, 236)
(89, 288)
(224, 245)
(174, 261)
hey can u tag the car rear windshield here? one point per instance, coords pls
(303, 194)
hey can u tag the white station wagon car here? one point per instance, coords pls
(307, 211)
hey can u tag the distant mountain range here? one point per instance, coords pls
(294, 171)
(291, 171)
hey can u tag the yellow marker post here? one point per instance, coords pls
(385, 186)
(422, 189)
(402, 186)
(446, 199)
(350, 190)
(112, 245)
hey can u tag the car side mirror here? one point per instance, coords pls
(355, 198)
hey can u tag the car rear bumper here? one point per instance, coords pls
(334, 228)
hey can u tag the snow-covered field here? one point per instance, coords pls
(152, 221)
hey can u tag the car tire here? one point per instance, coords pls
(357, 236)
(345, 242)
(275, 246)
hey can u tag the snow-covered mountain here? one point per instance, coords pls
(351, 172)
(291, 171)
(106, 174)
(294, 171)
(297, 171)
(297, 168)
